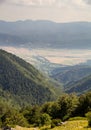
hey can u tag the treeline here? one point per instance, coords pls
(52, 113)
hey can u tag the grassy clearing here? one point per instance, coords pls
(70, 125)
(74, 125)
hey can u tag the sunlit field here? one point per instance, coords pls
(69, 125)
(74, 125)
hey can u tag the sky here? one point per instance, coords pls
(54, 10)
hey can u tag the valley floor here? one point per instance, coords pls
(70, 125)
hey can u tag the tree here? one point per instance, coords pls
(32, 114)
(68, 104)
(12, 118)
(45, 119)
(83, 106)
(52, 109)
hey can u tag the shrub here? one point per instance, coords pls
(53, 125)
(45, 119)
(55, 122)
(88, 115)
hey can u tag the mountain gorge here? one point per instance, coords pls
(22, 84)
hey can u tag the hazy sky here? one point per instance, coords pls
(59, 56)
(55, 10)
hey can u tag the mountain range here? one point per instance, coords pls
(41, 34)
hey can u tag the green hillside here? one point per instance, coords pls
(74, 78)
(69, 74)
(22, 83)
(80, 86)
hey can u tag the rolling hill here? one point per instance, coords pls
(80, 86)
(69, 74)
(74, 78)
(22, 83)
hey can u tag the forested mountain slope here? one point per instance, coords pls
(23, 83)
(80, 86)
(69, 74)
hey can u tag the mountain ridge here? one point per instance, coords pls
(79, 87)
(46, 34)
